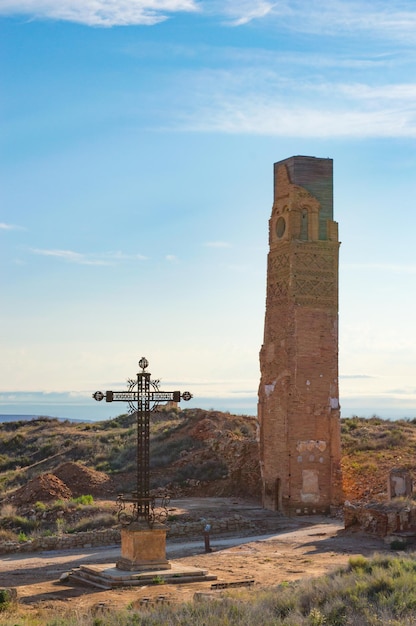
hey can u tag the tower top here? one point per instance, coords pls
(316, 176)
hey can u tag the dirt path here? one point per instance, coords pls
(300, 548)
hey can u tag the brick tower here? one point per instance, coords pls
(298, 409)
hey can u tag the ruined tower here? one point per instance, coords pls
(298, 409)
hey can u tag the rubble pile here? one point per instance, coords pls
(83, 480)
(69, 480)
(43, 488)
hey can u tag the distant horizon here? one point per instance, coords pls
(247, 406)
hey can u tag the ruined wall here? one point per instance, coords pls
(111, 536)
(298, 395)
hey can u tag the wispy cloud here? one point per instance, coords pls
(379, 18)
(355, 376)
(171, 258)
(382, 267)
(99, 12)
(240, 12)
(217, 244)
(4, 226)
(266, 102)
(122, 256)
(109, 258)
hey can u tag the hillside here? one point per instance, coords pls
(193, 452)
(370, 449)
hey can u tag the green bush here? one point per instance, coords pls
(17, 522)
(6, 599)
(87, 499)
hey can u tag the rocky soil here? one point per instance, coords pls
(298, 548)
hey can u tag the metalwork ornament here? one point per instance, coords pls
(143, 396)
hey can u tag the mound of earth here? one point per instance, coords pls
(43, 488)
(83, 480)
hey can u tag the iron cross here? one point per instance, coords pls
(143, 396)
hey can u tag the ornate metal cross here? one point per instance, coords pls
(145, 392)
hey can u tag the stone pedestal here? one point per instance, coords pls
(143, 548)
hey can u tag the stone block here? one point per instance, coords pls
(143, 548)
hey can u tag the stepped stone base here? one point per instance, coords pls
(108, 576)
(143, 562)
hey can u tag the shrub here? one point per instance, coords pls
(158, 580)
(358, 562)
(60, 526)
(164, 453)
(85, 500)
(7, 597)
(8, 510)
(7, 535)
(104, 520)
(18, 522)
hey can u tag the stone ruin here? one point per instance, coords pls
(395, 519)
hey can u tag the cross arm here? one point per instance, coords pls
(152, 396)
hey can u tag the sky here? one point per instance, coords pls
(137, 146)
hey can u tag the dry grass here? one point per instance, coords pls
(371, 448)
(369, 592)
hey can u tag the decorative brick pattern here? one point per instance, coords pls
(298, 409)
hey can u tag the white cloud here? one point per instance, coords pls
(401, 93)
(266, 118)
(79, 258)
(171, 258)
(122, 256)
(355, 376)
(99, 12)
(4, 226)
(70, 256)
(383, 267)
(240, 12)
(266, 102)
(217, 244)
(378, 18)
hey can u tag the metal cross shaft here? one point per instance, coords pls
(147, 400)
(143, 444)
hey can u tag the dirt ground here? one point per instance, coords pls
(297, 548)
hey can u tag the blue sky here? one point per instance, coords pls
(137, 148)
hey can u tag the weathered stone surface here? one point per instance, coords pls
(111, 536)
(399, 483)
(380, 519)
(298, 411)
(143, 548)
